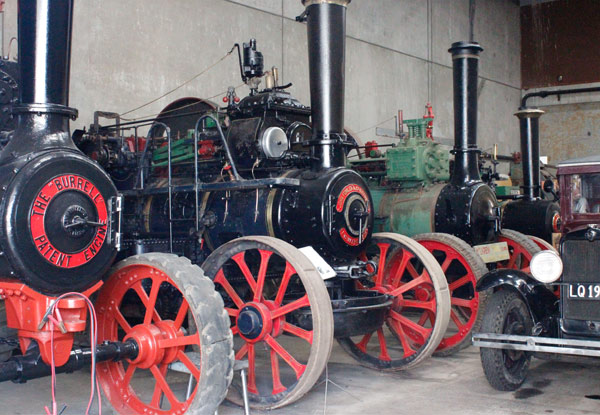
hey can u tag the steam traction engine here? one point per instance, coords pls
(256, 183)
(254, 188)
(448, 213)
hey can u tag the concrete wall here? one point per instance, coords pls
(126, 53)
(570, 128)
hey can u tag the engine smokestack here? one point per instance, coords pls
(529, 120)
(465, 61)
(326, 21)
(44, 57)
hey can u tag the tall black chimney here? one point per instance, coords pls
(326, 57)
(465, 60)
(529, 120)
(44, 58)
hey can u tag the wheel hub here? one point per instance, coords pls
(150, 340)
(254, 322)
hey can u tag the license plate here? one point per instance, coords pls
(584, 291)
(493, 252)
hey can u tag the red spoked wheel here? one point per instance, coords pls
(520, 248)
(280, 314)
(150, 299)
(542, 243)
(462, 268)
(418, 317)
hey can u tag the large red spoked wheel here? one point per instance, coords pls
(520, 248)
(281, 317)
(417, 320)
(463, 268)
(132, 306)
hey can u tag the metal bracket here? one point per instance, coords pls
(115, 214)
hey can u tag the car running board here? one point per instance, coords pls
(537, 344)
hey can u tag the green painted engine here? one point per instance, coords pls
(405, 181)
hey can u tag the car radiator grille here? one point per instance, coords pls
(581, 260)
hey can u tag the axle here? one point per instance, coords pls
(20, 369)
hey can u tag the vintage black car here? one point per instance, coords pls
(555, 308)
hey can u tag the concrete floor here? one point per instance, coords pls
(454, 385)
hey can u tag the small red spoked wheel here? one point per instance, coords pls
(463, 268)
(520, 248)
(417, 320)
(129, 308)
(281, 317)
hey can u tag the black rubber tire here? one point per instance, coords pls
(215, 337)
(5, 349)
(505, 370)
(478, 268)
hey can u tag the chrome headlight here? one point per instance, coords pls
(546, 266)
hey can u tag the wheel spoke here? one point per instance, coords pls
(128, 375)
(150, 310)
(120, 319)
(362, 345)
(285, 280)
(157, 394)
(399, 271)
(162, 382)
(459, 324)
(179, 341)
(251, 369)
(239, 259)
(145, 300)
(383, 248)
(461, 302)
(409, 286)
(221, 279)
(194, 370)
(262, 272)
(383, 355)
(242, 352)
(401, 335)
(446, 263)
(427, 305)
(411, 325)
(294, 305)
(413, 272)
(232, 312)
(460, 282)
(181, 314)
(296, 366)
(277, 385)
(297, 331)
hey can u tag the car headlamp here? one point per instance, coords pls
(546, 266)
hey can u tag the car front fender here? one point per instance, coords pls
(539, 298)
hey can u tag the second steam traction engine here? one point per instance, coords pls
(259, 193)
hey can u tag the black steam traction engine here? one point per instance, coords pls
(383, 296)
(450, 214)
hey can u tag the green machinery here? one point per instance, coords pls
(406, 180)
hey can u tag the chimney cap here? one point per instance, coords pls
(465, 48)
(344, 3)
